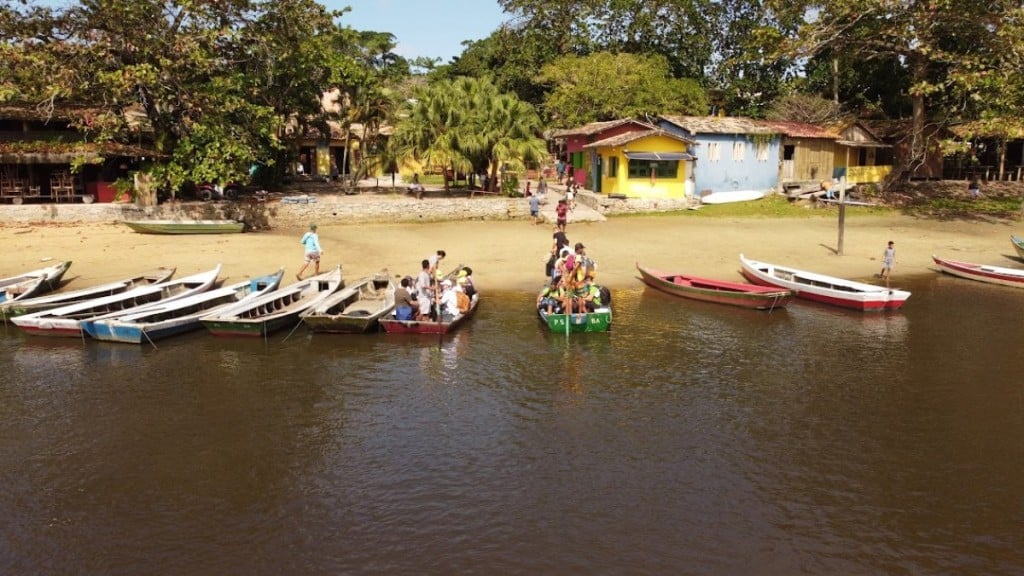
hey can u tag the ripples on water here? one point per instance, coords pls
(693, 438)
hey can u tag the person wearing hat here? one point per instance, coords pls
(311, 243)
(449, 302)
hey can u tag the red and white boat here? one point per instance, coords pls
(825, 289)
(981, 272)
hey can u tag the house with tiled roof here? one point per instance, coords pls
(733, 155)
(807, 154)
(581, 165)
(651, 163)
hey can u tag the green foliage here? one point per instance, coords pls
(215, 81)
(469, 126)
(606, 86)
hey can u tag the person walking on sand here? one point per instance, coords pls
(311, 242)
(888, 259)
(534, 208)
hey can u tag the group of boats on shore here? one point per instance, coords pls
(153, 305)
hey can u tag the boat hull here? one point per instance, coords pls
(982, 273)
(49, 302)
(273, 311)
(393, 326)
(824, 289)
(1018, 244)
(186, 226)
(599, 320)
(356, 309)
(749, 296)
(341, 325)
(33, 283)
(67, 320)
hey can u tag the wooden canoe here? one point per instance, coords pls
(185, 226)
(19, 307)
(392, 325)
(67, 320)
(31, 284)
(276, 310)
(825, 289)
(752, 296)
(356, 309)
(164, 319)
(983, 273)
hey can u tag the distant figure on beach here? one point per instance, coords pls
(542, 187)
(974, 189)
(888, 259)
(311, 243)
(415, 187)
(560, 170)
(535, 208)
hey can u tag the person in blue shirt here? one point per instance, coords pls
(311, 242)
(535, 208)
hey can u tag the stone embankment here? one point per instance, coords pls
(369, 206)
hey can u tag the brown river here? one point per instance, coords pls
(692, 439)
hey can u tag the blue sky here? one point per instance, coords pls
(432, 28)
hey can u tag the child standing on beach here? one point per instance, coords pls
(888, 259)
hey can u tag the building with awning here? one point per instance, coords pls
(647, 164)
(581, 165)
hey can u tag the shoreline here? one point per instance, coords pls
(510, 254)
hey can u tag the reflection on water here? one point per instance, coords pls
(727, 441)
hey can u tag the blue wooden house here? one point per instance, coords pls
(733, 154)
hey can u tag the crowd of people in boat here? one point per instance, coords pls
(570, 287)
(434, 296)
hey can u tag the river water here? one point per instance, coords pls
(692, 439)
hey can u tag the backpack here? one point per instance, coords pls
(462, 301)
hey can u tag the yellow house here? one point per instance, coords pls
(860, 156)
(641, 164)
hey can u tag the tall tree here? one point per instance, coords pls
(215, 80)
(607, 86)
(933, 41)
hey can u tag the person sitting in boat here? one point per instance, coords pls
(464, 280)
(448, 302)
(592, 296)
(405, 305)
(550, 298)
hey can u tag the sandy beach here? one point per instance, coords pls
(509, 255)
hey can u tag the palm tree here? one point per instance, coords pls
(467, 124)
